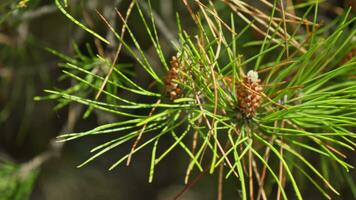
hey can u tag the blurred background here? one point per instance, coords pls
(32, 165)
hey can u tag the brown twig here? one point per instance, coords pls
(250, 173)
(285, 28)
(118, 49)
(189, 185)
(216, 140)
(220, 181)
(140, 134)
(281, 174)
(264, 169)
(259, 179)
(194, 145)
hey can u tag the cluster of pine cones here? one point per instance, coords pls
(248, 90)
(172, 88)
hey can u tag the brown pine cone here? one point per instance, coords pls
(248, 93)
(172, 88)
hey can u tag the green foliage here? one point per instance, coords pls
(89, 72)
(16, 183)
(308, 107)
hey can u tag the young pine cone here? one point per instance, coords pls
(248, 93)
(172, 88)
